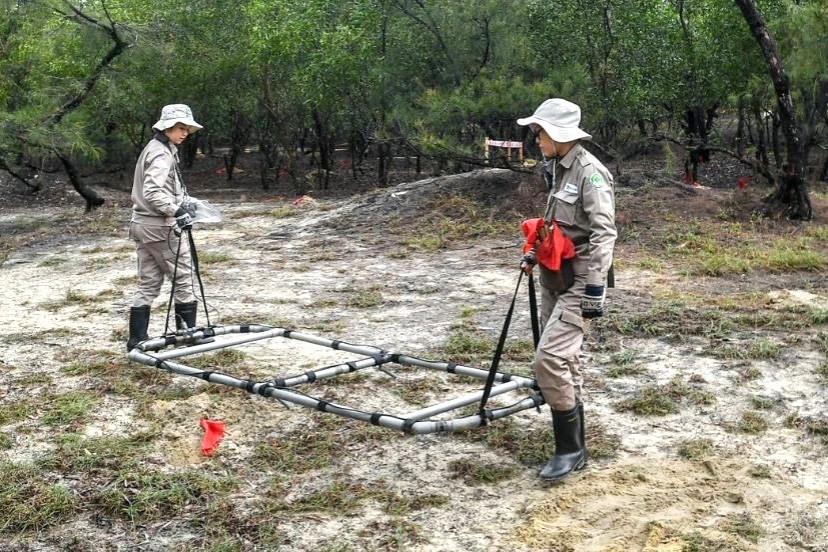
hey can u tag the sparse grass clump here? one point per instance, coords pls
(745, 526)
(222, 360)
(468, 346)
(69, 408)
(760, 471)
(695, 449)
(29, 502)
(649, 401)
(456, 219)
(762, 403)
(752, 422)
(145, 495)
(13, 412)
(213, 257)
(476, 473)
(367, 298)
(104, 456)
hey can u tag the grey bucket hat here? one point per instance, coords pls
(559, 118)
(176, 113)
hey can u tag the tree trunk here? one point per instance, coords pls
(93, 200)
(791, 189)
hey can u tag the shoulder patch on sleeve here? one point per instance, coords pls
(597, 180)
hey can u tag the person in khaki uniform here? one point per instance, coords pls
(160, 212)
(581, 200)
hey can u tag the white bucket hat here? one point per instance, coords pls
(176, 113)
(559, 118)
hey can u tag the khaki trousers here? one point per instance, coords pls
(157, 247)
(557, 365)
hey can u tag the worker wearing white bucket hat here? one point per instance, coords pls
(160, 211)
(581, 202)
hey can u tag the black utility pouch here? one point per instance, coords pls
(560, 280)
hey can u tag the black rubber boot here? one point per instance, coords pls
(138, 324)
(570, 453)
(185, 315)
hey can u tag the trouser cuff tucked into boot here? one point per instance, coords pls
(570, 452)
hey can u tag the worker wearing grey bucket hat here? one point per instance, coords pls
(160, 212)
(581, 202)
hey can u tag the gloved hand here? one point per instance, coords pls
(183, 219)
(528, 260)
(592, 301)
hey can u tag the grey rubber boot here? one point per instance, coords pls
(570, 452)
(138, 324)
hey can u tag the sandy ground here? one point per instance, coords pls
(295, 272)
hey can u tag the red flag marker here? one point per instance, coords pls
(213, 432)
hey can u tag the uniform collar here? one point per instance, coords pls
(161, 137)
(567, 160)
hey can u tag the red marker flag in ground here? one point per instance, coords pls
(743, 182)
(213, 432)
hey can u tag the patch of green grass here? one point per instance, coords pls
(455, 220)
(745, 526)
(397, 534)
(477, 473)
(822, 342)
(623, 364)
(649, 401)
(760, 471)
(403, 504)
(752, 422)
(736, 249)
(367, 298)
(762, 403)
(696, 542)
(5, 441)
(822, 372)
(144, 495)
(519, 350)
(527, 446)
(29, 502)
(336, 498)
(69, 408)
(103, 456)
(749, 373)
(303, 450)
(468, 346)
(417, 391)
(695, 449)
(223, 359)
(53, 261)
(763, 349)
(283, 211)
(532, 447)
(15, 411)
(213, 257)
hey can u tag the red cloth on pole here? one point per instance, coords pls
(213, 432)
(553, 248)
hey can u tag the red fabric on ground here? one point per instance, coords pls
(213, 432)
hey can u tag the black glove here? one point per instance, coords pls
(529, 259)
(592, 301)
(183, 218)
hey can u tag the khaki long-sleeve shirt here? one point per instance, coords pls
(582, 201)
(157, 192)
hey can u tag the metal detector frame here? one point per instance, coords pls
(189, 342)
